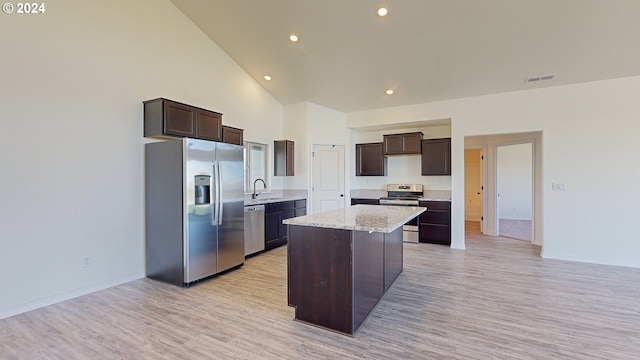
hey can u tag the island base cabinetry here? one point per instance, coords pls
(337, 277)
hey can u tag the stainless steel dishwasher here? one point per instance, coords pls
(253, 229)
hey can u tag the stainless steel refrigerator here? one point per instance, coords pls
(194, 197)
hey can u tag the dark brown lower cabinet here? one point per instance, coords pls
(336, 277)
(275, 232)
(300, 207)
(435, 223)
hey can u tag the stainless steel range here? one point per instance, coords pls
(405, 195)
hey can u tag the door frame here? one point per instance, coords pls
(483, 165)
(536, 137)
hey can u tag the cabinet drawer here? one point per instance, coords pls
(356, 201)
(435, 217)
(300, 203)
(435, 234)
(436, 205)
(278, 206)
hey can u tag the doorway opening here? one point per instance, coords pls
(514, 177)
(503, 171)
(473, 189)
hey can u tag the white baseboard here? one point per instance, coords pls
(19, 309)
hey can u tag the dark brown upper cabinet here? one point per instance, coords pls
(370, 160)
(436, 157)
(283, 158)
(231, 135)
(402, 144)
(163, 117)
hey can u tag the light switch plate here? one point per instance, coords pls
(559, 186)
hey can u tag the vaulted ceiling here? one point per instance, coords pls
(424, 50)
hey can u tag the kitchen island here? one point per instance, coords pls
(341, 262)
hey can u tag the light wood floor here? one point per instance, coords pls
(496, 300)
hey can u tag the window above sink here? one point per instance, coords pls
(255, 165)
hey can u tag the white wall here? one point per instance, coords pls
(308, 124)
(71, 94)
(514, 181)
(401, 169)
(296, 120)
(589, 142)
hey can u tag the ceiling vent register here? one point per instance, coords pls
(539, 78)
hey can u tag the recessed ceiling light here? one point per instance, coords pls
(293, 38)
(389, 92)
(382, 11)
(267, 77)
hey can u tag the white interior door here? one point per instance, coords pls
(473, 184)
(327, 183)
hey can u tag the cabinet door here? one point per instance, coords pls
(393, 144)
(411, 143)
(271, 228)
(283, 227)
(300, 207)
(435, 234)
(398, 144)
(370, 160)
(436, 157)
(209, 125)
(289, 158)
(283, 157)
(179, 119)
(231, 135)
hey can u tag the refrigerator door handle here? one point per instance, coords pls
(214, 196)
(219, 197)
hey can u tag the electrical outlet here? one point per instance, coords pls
(559, 186)
(87, 261)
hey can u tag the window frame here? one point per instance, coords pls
(249, 161)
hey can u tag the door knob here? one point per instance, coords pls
(341, 195)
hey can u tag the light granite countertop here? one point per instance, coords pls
(371, 218)
(273, 196)
(268, 199)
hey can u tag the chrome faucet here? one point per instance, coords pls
(254, 195)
